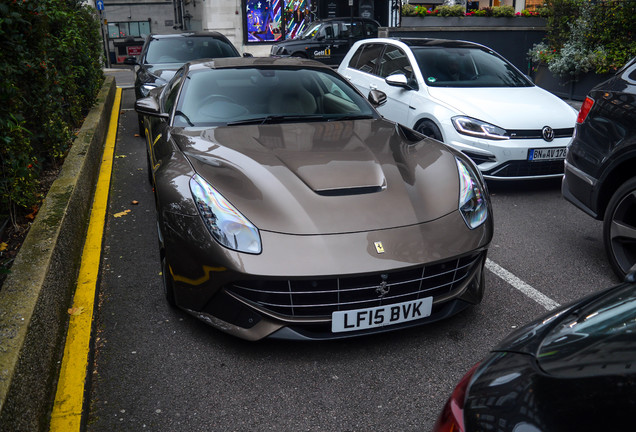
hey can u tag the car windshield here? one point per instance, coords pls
(466, 67)
(595, 340)
(213, 97)
(184, 49)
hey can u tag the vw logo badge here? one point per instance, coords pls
(548, 133)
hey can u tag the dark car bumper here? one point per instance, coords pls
(580, 189)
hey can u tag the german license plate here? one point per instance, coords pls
(380, 316)
(546, 154)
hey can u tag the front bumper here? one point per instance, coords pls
(299, 281)
(508, 159)
(256, 318)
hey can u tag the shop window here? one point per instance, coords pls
(125, 29)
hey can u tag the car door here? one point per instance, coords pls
(360, 69)
(368, 68)
(340, 44)
(157, 133)
(394, 61)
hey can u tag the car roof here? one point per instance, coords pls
(214, 34)
(429, 42)
(259, 62)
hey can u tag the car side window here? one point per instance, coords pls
(370, 29)
(395, 61)
(355, 29)
(367, 59)
(169, 96)
(329, 31)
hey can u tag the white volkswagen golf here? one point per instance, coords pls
(469, 97)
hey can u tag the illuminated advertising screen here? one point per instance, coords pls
(275, 20)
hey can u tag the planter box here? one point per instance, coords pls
(472, 21)
(575, 89)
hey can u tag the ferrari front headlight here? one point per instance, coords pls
(226, 224)
(472, 196)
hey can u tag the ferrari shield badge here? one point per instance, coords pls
(379, 247)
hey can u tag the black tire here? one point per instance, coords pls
(430, 129)
(168, 282)
(619, 228)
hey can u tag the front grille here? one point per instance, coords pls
(538, 133)
(526, 168)
(321, 297)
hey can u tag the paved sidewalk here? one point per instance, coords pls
(124, 75)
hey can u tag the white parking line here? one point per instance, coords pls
(517, 283)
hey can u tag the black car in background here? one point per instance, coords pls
(600, 167)
(571, 370)
(162, 55)
(327, 40)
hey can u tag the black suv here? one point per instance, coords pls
(327, 40)
(600, 167)
(162, 55)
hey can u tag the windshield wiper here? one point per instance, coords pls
(352, 117)
(277, 119)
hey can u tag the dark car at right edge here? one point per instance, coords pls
(571, 370)
(600, 167)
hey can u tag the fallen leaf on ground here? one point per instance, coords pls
(120, 214)
(75, 311)
(120, 156)
(3, 246)
(134, 202)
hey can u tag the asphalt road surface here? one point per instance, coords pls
(159, 369)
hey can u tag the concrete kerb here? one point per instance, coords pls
(36, 295)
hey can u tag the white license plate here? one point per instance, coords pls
(546, 154)
(380, 316)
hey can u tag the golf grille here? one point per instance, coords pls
(321, 297)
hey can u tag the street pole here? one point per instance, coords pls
(104, 38)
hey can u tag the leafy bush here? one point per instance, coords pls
(455, 10)
(503, 11)
(446, 10)
(50, 58)
(587, 37)
(408, 10)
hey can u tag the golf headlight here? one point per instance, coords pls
(478, 128)
(225, 223)
(472, 198)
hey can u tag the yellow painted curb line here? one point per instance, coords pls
(69, 398)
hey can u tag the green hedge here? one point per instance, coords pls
(586, 36)
(51, 65)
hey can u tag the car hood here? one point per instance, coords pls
(326, 177)
(509, 108)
